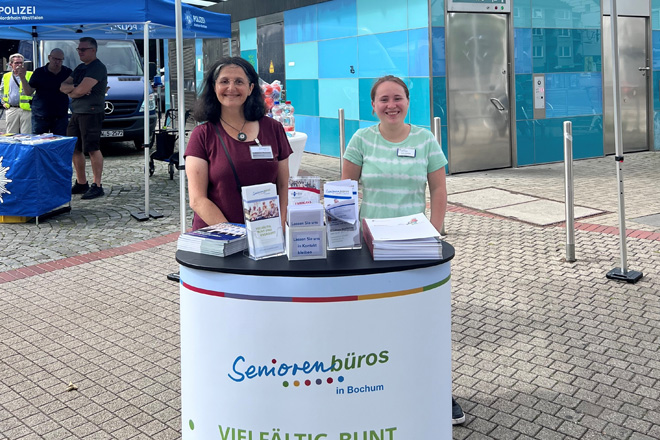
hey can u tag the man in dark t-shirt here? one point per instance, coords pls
(86, 87)
(50, 107)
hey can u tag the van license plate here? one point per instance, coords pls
(112, 133)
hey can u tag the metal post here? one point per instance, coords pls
(161, 85)
(158, 57)
(622, 273)
(145, 114)
(342, 141)
(437, 131)
(35, 49)
(144, 215)
(181, 117)
(568, 184)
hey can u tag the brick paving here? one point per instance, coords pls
(542, 349)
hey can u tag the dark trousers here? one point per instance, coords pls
(49, 125)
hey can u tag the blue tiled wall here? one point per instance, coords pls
(335, 50)
(438, 67)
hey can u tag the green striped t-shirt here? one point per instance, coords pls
(393, 184)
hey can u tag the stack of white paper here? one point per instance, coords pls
(340, 199)
(261, 208)
(410, 237)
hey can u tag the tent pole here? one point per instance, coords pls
(619, 273)
(158, 56)
(144, 215)
(181, 117)
(35, 49)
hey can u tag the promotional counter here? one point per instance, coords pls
(340, 349)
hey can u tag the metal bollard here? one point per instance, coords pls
(342, 141)
(568, 177)
(437, 131)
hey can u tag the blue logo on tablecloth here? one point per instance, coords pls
(3, 180)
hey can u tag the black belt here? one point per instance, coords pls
(16, 106)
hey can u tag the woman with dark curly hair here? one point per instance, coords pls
(236, 146)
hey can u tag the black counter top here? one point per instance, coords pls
(338, 263)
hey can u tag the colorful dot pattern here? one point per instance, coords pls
(308, 382)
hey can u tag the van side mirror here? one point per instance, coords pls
(28, 65)
(152, 71)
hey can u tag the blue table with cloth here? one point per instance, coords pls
(35, 174)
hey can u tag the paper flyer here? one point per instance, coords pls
(340, 199)
(261, 208)
(304, 190)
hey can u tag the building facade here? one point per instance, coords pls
(502, 76)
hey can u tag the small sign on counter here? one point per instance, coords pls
(306, 243)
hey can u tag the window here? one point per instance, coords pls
(564, 32)
(565, 51)
(537, 51)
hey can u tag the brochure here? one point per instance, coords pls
(220, 240)
(410, 237)
(261, 208)
(304, 190)
(29, 139)
(340, 199)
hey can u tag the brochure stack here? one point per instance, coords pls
(219, 240)
(411, 237)
(261, 208)
(29, 139)
(340, 199)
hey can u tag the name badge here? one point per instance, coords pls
(261, 152)
(406, 152)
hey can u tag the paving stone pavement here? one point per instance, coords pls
(542, 349)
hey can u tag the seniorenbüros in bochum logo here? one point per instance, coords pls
(3, 180)
(311, 372)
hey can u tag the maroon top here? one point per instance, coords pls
(222, 188)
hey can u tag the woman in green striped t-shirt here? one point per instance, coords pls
(395, 160)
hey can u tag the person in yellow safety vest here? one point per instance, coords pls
(16, 103)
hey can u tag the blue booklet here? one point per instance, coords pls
(220, 240)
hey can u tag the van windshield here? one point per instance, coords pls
(119, 57)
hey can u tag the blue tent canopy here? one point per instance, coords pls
(116, 20)
(103, 20)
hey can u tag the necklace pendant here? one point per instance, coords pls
(242, 136)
